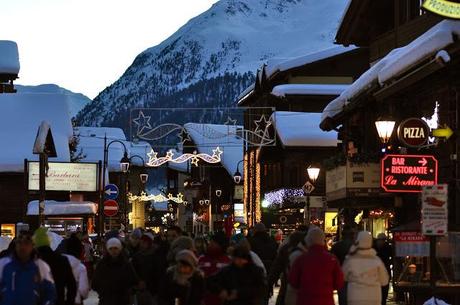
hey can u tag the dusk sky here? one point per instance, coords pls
(85, 45)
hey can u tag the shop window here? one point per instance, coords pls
(8, 230)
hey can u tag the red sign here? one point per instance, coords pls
(110, 208)
(409, 237)
(413, 132)
(408, 173)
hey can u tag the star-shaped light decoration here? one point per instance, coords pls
(230, 121)
(153, 156)
(195, 160)
(216, 153)
(262, 124)
(184, 136)
(169, 155)
(142, 122)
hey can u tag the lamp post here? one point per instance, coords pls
(313, 173)
(237, 176)
(143, 176)
(124, 166)
(385, 127)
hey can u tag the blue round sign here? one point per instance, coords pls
(111, 191)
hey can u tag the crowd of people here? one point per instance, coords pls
(145, 268)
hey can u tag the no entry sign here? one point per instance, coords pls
(408, 173)
(110, 208)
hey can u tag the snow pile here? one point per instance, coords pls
(308, 89)
(63, 207)
(399, 61)
(208, 136)
(9, 57)
(279, 65)
(302, 129)
(20, 117)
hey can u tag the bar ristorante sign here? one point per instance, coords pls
(80, 177)
(408, 173)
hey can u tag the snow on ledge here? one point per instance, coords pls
(308, 89)
(302, 129)
(63, 208)
(9, 57)
(398, 61)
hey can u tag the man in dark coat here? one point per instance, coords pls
(385, 252)
(66, 287)
(263, 245)
(242, 282)
(340, 249)
(114, 277)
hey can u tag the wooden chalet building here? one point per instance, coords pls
(295, 88)
(414, 77)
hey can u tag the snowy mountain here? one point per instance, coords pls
(77, 101)
(214, 57)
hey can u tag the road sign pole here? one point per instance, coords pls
(306, 211)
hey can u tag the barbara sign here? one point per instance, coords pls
(408, 173)
(413, 132)
(443, 8)
(81, 177)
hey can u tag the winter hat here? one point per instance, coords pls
(113, 243)
(381, 236)
(364, 240)
(260, 227)
(187, 257)
(136, 234)
(221, 239)
(315, 236)
(41, 237)
(182, 243)
(147, 237)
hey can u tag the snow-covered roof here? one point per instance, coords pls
(302, 129)
(63, 207)
(9, 57)
(278, 65)
(399, 61)
(141, 149)
(308, 89)
(20, 117)
(208, 136)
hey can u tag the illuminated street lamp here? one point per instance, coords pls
(313, 173)
(385, 127)
(124, 163)
(237, 176)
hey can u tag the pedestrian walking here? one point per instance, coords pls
(184, 282)
(340, 249)
(179, 244)
(74, 252)
(296, 252)
(213, 261)
(240, 240)
(114, 277)
(151, 269)
(133, 242)
(201, 245)
(365, 272)
(88, 254)
(24, 278)
(240, 283)
(385, 252)
(316, 273)
(66, 286)
(263, 245)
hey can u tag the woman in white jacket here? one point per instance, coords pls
(365, 272)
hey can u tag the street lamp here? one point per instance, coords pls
(143, 176)
(124, 163)
(237, 176)
(313, 174)
(385, 127)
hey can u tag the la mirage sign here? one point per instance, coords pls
(408, 173)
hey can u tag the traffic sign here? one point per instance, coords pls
(308, 187)
(110, 208)
(111, 191)
(408, 173)
(434, 210)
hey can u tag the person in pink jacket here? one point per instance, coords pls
(316, 273)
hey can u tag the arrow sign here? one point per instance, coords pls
(423, 162)
(111, 191)
(444, 132)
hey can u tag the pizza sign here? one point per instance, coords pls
(408, 173)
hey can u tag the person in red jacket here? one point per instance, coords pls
(213, 261)
(316, 274)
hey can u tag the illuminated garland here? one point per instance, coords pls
(156, 161)
(278, 197)
(157, 198)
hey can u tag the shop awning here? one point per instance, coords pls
(63, 208)
(397, 63)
